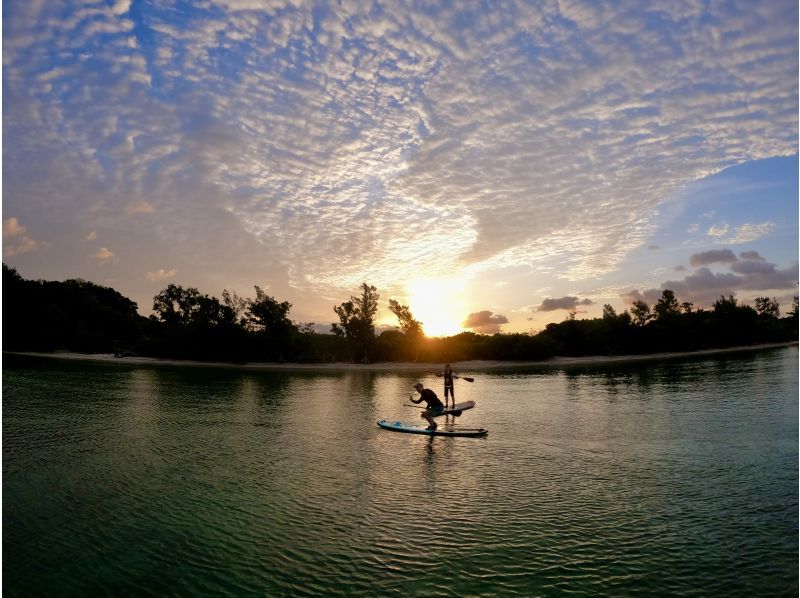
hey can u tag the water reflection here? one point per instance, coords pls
(592, 480)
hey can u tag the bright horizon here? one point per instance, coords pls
(494, 170)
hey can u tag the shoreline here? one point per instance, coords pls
(473, 365)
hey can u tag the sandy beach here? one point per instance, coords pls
(462, 366)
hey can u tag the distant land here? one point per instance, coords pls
(464, 366)
(77, 317)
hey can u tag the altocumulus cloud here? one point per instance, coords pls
(751, 232)
(16, 239)
(347, 141)
(139, 207)
(103, 254)
(744, 233)
(161, 274)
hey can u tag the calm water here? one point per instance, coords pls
(671, 478)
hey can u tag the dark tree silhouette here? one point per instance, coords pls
(81, 316)
(269, 319)
(74, 314)
(641, 313)
(357, 320)
(767, 308)
(409, 326)
(667, 306)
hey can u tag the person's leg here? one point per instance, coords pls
(427, 416)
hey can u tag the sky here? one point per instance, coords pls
(493, 165)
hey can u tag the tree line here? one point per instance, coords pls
(78, 315)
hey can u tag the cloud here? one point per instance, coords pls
(718, 231)
(751, 255)
(161, 274)
(744, 233)
(704, 286)
(103, 255)
(751, 232)
(701, 281)
(347, 142)
(485, 322)
(92, 236)
(121, 7)
(139, 207)
(713, 256)
(568, 303)
(15, 238)
(12, 228)
(753, 267)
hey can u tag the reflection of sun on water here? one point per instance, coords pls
(437, 304)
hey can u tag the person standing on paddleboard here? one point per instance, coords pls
(448, 376)
(433, 402)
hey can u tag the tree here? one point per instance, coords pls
(348, 320)
(640, 312)
(357, 319)
(197, 326)
(11, 276)
(238, 306)
(409, 326)
(212, 314)
(725, 305)
(368, 305)
(613, 334)
(608, 312)
(269, 319)
(687, 306)
(176, 305)
(667, 306)
(268, 316)
(74, 314)
(768, 309)
(306, 328)
(734, 323)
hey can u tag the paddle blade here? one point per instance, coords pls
(468, 379)
(456, 413)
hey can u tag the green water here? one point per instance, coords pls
(678, 478)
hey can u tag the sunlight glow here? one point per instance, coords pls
(438, 304)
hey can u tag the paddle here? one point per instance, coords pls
(439, 374)
(453, 413)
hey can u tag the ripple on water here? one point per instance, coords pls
(146, 481)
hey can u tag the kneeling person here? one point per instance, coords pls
(433, 402)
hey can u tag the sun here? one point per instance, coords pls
(437, 303)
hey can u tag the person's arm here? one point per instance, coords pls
(415, 402)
